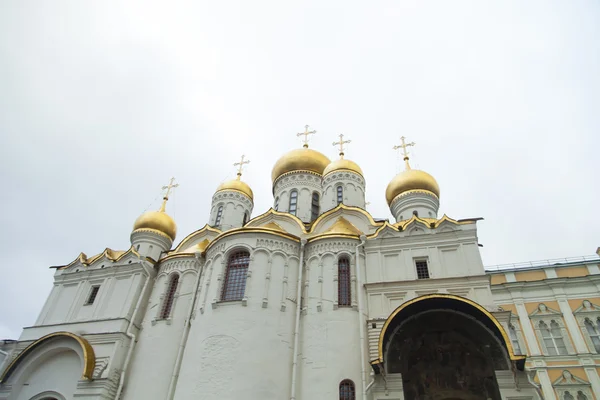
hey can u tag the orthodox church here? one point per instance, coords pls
(311, 299)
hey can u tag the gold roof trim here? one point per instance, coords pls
(111, 255)
(198, 247)
(188, 238)
(248, 229)
(342, 206)
(256, 220)
(385, 225)
(273, 225)
(89, 357)
(340, 228)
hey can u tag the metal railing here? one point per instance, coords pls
(544, 263)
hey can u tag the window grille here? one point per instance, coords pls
(340, 194)
(422, 269)
(553, 339)
(219, 215)
(347, 390)
(293, 202)
(235, 277)
(594, 333)
(514, 339)
(315, 206)
(165, 312)
(92, 295)
(344, 289)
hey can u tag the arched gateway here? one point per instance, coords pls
(445, 347)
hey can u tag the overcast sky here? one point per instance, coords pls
(102, 102)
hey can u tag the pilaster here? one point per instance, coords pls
(527, 328)
(572, 326)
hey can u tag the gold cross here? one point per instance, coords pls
(240, 166)
(168, 188)
(306, 133)
(403, 146)
(342, 142)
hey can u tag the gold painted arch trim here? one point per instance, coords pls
(89, 357)
(470, 302)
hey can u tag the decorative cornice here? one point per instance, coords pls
(290, 173)
(413, 191)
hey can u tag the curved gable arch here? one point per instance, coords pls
(444, 301)
(89, 357)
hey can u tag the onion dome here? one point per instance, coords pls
(158, 221)
(411, 179)
(237, 185)
(303, 159)
(342, 164)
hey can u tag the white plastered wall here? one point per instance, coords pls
(405, 205)
(306, 183)
(235, 205)
(353, 186)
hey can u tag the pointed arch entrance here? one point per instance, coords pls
(445, 347)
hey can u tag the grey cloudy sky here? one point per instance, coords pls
(102, 102)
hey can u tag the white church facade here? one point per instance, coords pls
(312, 299)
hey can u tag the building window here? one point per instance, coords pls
(245, 220)
(92, 295)
(340, 194)
(165, 312)
(422, 270)
(568, 396)
(514, 339)
(344, 290)
(235, 276)
(416, 213)
(553, 339)
(593, 331)
(314, 214)
(347, 390)
(293, 202)
(219, 215)
(581, 396)
(276, 203)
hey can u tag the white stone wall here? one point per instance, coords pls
(404, 206)
(353, 186)
(306, 183)
(235, 206)
(150, 244)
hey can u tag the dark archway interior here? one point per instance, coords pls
(444, 355)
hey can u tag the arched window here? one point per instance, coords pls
(568, 396)
(235, 276)
(347, 390)
(581, 396)
(416, 213)
(344, 290)
(514, 339)
(219, 215)
(594, 334)
(165, 312)
(276, 203)
(314, 211)
(293, 201)
(553, 339)
(340, 194)
(245, 220)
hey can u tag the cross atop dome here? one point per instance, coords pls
(403, 146)
(240, 166)
(306, 133)
(168, 189)
(341, 143)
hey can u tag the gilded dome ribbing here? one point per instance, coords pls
(411, 179)
(303, 159)
(158, 221)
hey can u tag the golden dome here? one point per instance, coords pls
(411, 179)
(303, 159)
(237, 184)
(158, 221)
(343, 164)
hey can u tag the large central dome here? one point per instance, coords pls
(303, 159)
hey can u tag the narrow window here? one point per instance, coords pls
(315, 206)
(137, 248)
(92, 295)
(245, 220)
(165, 312)
(347, 390)
(594, 335)
(568, 396)
(416, 213)
(276, 203)
(514, 339)
(235, 277)
(422, 270)
(219, 215)
(581, 396)
(293, 202)
(344, 291)
(340, 194)
(553, 338)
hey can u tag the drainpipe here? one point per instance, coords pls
(297, 326)
(130, 335)
(361, 323)
(184, 336)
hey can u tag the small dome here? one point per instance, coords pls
(303, 159)
(411, 179)
(238, 185)
(158, 221)
(343, 164)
